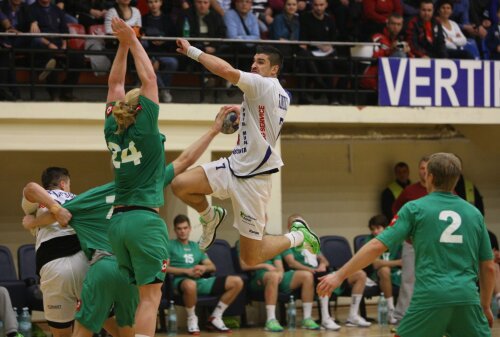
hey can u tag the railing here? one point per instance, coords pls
(191, 82)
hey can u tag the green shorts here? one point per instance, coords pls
(453, 321)
(139, 239)
(257, 281)
(395, 276)
(203, 285)
(105, 288)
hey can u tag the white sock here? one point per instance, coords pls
(271, 312)
(139, 335)
(325, 303)
(307, 309)
(356, 299)
(219, 309)
(207, 214)
(390, 303)
(190, 311)
(296, 238)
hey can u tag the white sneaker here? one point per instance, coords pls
(210, 228)
(391, 318)
(217, 324)
(357, 321)
(192, 325)
(329, 324)
(165, 96)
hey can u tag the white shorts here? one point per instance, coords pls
(61, 284)
(249, 197)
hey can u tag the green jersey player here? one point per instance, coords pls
(452, 252)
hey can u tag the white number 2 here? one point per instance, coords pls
(447, 236)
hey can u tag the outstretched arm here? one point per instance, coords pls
(116, 79)
(190, 155)
(213, 63)
(363, 258)
(143, 65)
(37, 194)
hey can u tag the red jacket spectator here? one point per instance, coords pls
(379, 10)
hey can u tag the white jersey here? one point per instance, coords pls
(52, 231)
(265, 104)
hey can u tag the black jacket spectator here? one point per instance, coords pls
(426, 41)
(215, 25)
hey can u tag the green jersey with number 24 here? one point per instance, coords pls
(138, 156)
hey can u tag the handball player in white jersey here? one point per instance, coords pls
(245, 176)
(60, 261)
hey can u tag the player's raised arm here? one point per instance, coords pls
(31, 222)
(37, 194)
(116, 79)
(213, 63)
(143, 65)
(190, 155)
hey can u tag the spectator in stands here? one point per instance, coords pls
(317, 265)
(424, 35)
(264, 13)
(466, 190)
(412, 192)
(394, 189)
(377, 12)
(68, 11)
(124, 11)
(48, 18)
(157, 23)
(14, 18)
(390, 44)
(493, 39)
(286, 27)
(387, 267)
(7, 315)
(317, 25)
(243, 25)
(189, 264)
(270, 278)
(348, 16)
(496, 257)
(474, 33)
(221, 6)
(455, 40)
(88, 12)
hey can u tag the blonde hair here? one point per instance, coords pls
(126, 111)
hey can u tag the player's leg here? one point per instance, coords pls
(385, 284)
(357, 282)
(149, 301)
(294, 279)
(270, 281)
(82, 331)
(229, 287)
(191, 187)
(189, 290)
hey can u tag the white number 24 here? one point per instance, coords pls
(129, 154)
(447, 236)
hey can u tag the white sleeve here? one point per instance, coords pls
(29, 207)
(459, 40)
(252, 85)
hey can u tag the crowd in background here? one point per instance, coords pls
(460, 29)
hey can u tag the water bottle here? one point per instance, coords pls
(25, 323)
(186, 29)
(382, 310)
(494, 306)
(292, 314)
(172, 320)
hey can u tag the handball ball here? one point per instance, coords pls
(230, 125)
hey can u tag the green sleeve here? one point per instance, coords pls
(400, 229)
(169, 175)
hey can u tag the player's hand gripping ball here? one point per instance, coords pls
(230, 123)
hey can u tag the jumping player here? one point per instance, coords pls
(245, 176)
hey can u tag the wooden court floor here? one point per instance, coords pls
(374, 331)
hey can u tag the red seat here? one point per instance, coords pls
(96, 30)
(76, 28)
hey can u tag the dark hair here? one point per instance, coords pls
(445, 169)
(181, 218)
(52, 176)
(425, 2)
(378, 220)
(444, 2)
(275, 56)
(395, 15)
(401, 164)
